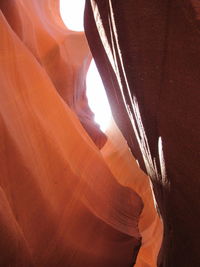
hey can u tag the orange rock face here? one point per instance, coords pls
(63, 202)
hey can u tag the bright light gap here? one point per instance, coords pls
(72, 15)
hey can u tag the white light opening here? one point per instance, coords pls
(97, 98)
(72, 15)
(72, 12)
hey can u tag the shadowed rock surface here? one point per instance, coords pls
(148, 54)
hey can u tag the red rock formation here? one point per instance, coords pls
(119, 159)
(63, 54)
(63, 202)
(148, 55)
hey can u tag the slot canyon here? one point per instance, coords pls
(72, 195)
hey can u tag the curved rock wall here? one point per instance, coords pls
(63, 202)
(148, 54)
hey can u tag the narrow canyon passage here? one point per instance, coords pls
(84, 183)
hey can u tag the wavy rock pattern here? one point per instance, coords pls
(63, 202)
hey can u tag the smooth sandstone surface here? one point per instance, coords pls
(63, 202)
(124, 167)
